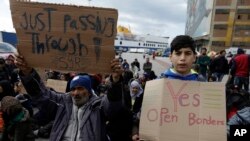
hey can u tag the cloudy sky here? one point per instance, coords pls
(155, 17)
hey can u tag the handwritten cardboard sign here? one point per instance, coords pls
(63, 37)
(175, 110)
(58, 85)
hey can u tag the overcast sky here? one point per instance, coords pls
(155, 17)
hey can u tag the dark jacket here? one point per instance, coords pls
(7, 89)
(147, 67)
(219, 65)
(203, 62)
(96, 110)
(4, 74)
(119, 127)
(137, 64)
(18, 129)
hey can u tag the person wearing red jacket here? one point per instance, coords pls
(240, 69)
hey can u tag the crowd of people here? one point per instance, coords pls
(106, 107)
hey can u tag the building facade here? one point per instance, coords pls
(224, 23)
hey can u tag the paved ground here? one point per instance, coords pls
(160, 64)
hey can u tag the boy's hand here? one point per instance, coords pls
(22, 65)
(116, 70)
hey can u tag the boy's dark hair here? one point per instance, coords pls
(182, 41)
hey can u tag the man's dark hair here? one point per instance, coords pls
(182, 41)
(222, 51)
(240, 51)
(204, 48)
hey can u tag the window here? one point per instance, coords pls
(242, 27)
(240, 44)
(239, 17)
(221, 26)
(222, 11)
(120, 42)
(241, 2)
(218, 43)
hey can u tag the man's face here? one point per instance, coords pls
(183, 60)
(147, 59)
(80, 96)
(203, 52)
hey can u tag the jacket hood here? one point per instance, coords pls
(170, 73)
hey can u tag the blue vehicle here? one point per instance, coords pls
(166, 52)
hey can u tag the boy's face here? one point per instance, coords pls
(182, 60)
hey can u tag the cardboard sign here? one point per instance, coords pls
(58, 85)
(175, 110)
(63, 37)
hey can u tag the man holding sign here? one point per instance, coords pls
(81, 114)
(70, 38)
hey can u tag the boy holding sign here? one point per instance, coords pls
(182, 56)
